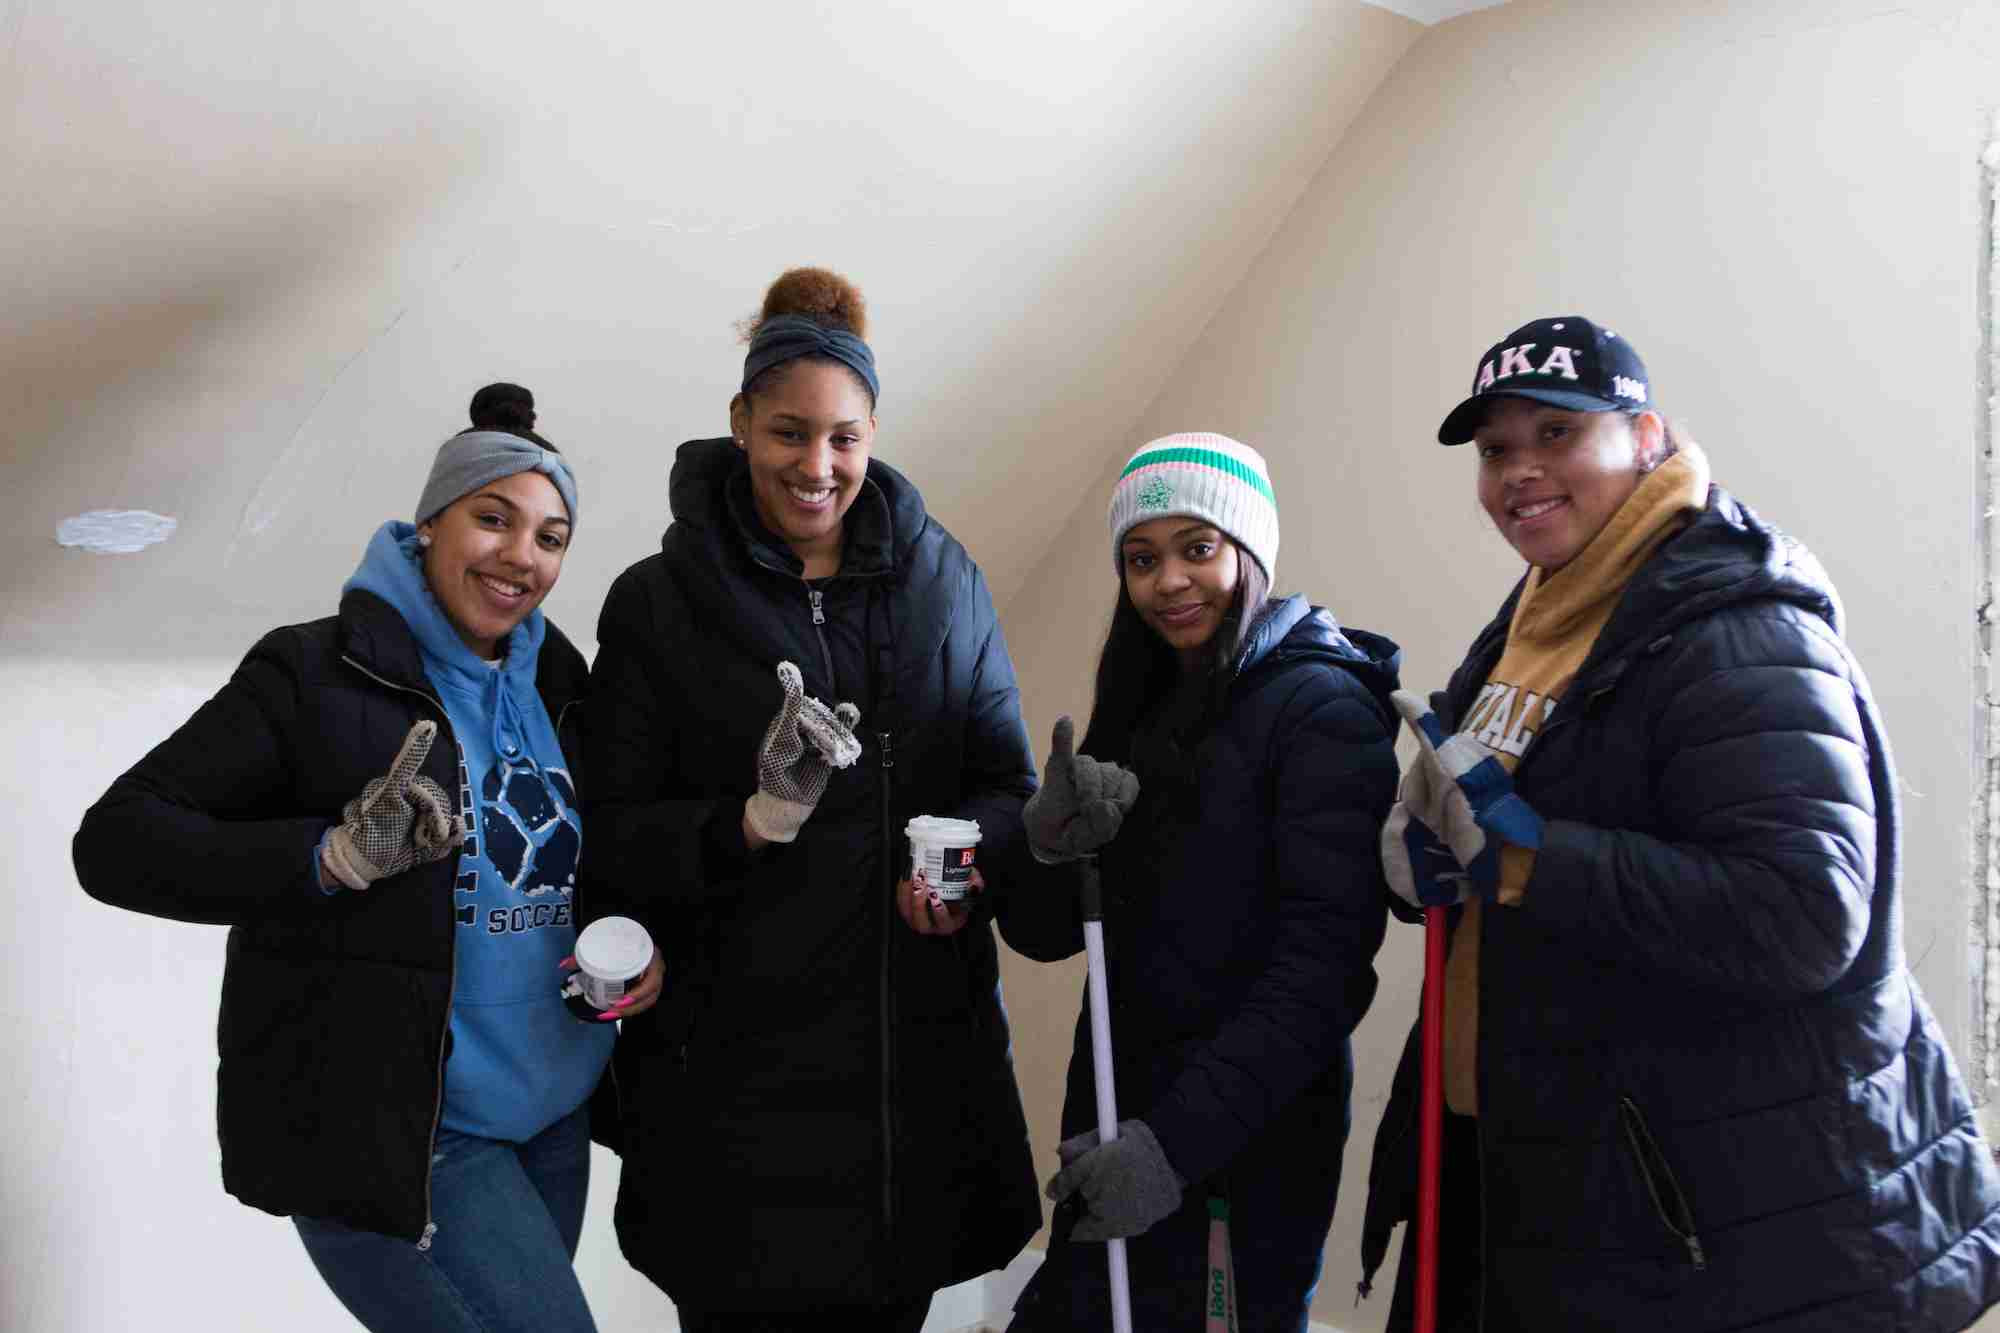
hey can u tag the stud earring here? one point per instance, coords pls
(424, 540)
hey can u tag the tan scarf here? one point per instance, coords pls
(1555, 624)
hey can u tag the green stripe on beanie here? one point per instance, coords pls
(1198, 475)
(1149, 455)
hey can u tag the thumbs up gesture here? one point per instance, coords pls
(398, 821)
(1081, 803)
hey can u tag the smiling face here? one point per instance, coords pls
(494, 555)
(1551, 478)
(1181, 575)
(807, 434)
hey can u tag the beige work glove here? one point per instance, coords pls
(398, 821)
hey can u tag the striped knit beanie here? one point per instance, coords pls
(1198, 475)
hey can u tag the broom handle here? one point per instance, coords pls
(1100, 1065)
(1431, 1138)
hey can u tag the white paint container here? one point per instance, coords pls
(941, 850)
(611, 954)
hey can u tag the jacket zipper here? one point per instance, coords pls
(444, 1033)
(1668, 1201)
(886, 1014)
(818, 600)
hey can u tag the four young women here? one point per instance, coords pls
(1692, 1084)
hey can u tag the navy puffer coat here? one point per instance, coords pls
(1242, 916)
(821, 1112)
(1711, 1096)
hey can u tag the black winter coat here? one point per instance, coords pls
(1242, 914)
(1711, 1096)
(335, 1007)
(823, 1112)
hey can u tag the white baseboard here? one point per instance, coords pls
(985, 1304)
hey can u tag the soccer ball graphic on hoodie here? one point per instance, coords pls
(528, 817)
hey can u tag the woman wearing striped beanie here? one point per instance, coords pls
(1238, 763)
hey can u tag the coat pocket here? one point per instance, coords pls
(1669, 1203)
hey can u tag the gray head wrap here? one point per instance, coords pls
(785, 338)
(473, 458)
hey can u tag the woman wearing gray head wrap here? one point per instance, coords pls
(829, 1075)
(381, 806)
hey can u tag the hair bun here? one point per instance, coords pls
(818, 294)
(503, 407)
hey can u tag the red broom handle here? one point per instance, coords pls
(1430, 1143)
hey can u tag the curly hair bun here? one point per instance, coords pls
(818, 294)
(503, 407)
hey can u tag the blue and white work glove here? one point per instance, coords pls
(1456, 806)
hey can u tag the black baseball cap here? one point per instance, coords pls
(1564, 361)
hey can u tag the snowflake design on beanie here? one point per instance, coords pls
(1155, 494)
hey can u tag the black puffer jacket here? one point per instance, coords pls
(1243, 910)
(1711, 1096)
(824, 1111)
(335, 1007)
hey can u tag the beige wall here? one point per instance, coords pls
(1782, 212)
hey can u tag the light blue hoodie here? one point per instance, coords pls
(519, 1060)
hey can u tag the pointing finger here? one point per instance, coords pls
(1062, 742)
(415, 748)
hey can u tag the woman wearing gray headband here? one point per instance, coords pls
(381, 806)
(829, 1076)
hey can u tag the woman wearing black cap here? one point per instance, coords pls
(822, 1118)
(1691, 1083)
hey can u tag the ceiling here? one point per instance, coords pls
(268, 254)
(1434, 11)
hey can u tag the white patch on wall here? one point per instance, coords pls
(1985, 944)
(1428, 12)
(115, 531)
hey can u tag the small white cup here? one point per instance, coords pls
(611, 954)
(941, 850)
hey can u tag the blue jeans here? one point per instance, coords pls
(507, 1219)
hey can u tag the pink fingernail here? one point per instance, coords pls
(608, 1013)
(568, 962)
(621, 1003)
(937, 899)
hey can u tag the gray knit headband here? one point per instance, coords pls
(475, 458)
(785, 338)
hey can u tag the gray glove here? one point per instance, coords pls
(1080, 803)
(805, 742)
(397, 822)
(1127, 1184)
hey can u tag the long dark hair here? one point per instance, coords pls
(1136, 671)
